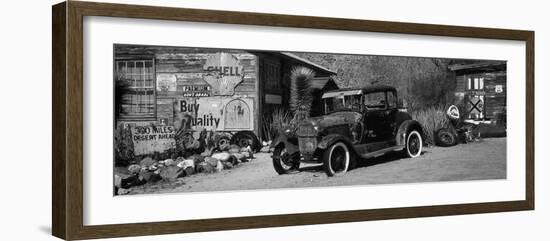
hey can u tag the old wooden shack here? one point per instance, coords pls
(481, 86)
(198, 88)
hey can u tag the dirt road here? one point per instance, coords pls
(475, 161)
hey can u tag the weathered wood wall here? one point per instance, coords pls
(495, 101)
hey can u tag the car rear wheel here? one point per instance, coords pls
(336, 159)
(285, 163)
(445, 138)
(413, 147)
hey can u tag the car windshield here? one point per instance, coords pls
(342, 102)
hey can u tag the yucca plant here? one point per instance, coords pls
(300, 92)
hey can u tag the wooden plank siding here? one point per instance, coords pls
(494, 102)
(189, 68)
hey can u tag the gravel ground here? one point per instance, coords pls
(481, 160)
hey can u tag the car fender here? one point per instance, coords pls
(291, 143)
(330, 139)
(404, 128)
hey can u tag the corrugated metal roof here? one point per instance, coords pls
(300, 59)
(374, 88)
(483, 65)
(320, 82)
(342, 93)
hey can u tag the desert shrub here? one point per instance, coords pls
(432, 119)
(124, 147)
(276, 122)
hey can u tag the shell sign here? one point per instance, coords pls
(223, 73)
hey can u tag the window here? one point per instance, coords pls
(475, 83)
(343, 103)
(271, 74)
(135, 89)
(392, 100)
(375, 101)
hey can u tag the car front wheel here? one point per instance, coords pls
(336, 159)
(413, 147)
(285, 163)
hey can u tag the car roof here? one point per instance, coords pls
(352, 91)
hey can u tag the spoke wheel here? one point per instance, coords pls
(285, 163)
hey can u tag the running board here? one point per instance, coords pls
(382, 151)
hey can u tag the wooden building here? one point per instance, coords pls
(482, 88)
(320, 85)
(215, 89)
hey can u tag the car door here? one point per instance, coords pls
(389, 127)
(375, 116)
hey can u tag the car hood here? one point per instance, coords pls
(336, 118)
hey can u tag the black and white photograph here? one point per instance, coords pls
(191, 119)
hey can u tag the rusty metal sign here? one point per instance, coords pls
(149, 139)
(166, 82)
(218, 113)
(223, 73)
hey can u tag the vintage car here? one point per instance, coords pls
(357, 124)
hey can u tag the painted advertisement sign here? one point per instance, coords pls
(191, 84)
(218, 113)
(155, 138)
(223, 73)
(166, 82)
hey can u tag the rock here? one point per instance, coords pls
(233, 160)
(148, 161)
(169, 162)
(211, 161)
(239, 156)
(124, 178)
(118, 181)
(206, 153)
(222, 156)
(186, 163)
(134, 168)
(196, 158)
(247, 154)
(171, 173)
(153, 167)
(265, 149)
(227, 165)
(219, 166)
(204, 168)
(189, 171)
(149, 177)
(122, 191)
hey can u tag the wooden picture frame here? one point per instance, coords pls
(67, 123)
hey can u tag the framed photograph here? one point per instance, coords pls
(171, 120)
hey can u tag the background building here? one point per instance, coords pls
(197, 88)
